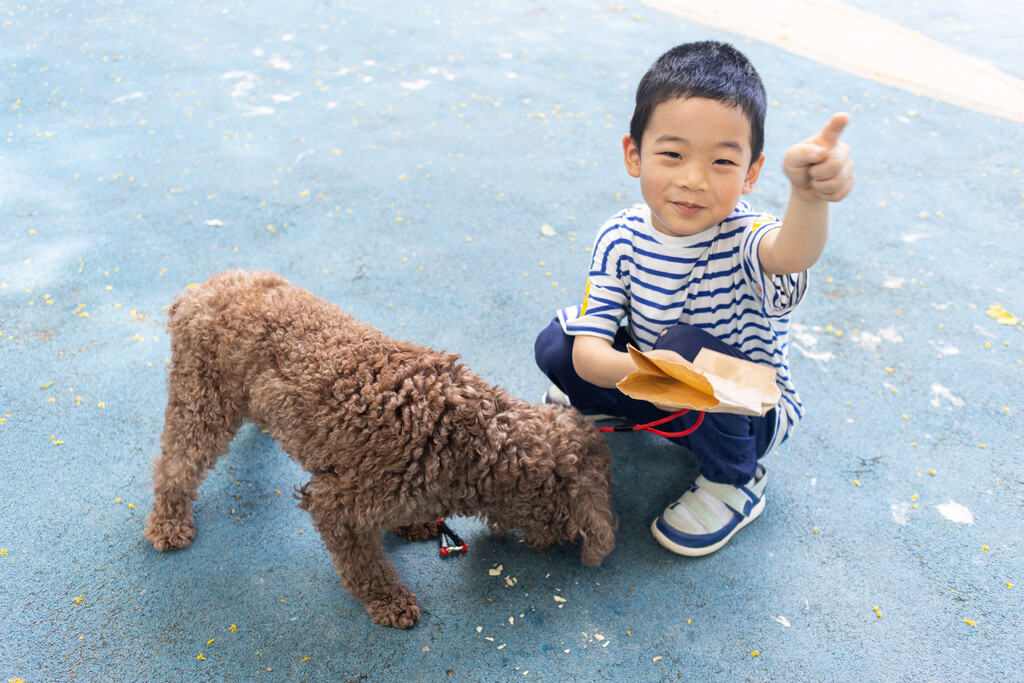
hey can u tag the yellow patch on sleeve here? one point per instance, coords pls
(761, 221)
(586, 299)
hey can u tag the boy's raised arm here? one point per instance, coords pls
(821, 171)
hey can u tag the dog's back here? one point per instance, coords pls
(308, 370)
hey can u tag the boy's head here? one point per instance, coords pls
(706, 69)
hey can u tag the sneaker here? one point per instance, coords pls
(704, 518)
(558, 397)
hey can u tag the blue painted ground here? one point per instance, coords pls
(400, 160)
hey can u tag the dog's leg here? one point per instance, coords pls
(194, 437)
(359, 557)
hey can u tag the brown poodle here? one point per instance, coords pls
(396, 435)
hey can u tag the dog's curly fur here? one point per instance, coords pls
(395, 435)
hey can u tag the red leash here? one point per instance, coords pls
(649, 427)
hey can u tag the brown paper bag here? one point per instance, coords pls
(713, 382)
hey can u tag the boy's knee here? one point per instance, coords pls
(686, 340)
(553, 347)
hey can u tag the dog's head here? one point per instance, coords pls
(565, 486)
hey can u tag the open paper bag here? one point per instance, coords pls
(713, 382)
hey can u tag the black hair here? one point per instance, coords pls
(709, 69)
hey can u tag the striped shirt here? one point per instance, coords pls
(712, 280)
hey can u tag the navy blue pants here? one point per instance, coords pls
(727, 446)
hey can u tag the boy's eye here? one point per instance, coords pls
(673, 155)
(725, 162)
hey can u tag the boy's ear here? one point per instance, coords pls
(753, 173)
(631, 156)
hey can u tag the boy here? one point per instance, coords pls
(696, 267)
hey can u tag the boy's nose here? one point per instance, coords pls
(691, 177)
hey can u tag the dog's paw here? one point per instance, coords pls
(168, 534)
(416, 532)
(399, 612)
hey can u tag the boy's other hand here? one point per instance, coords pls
(820, 167)
(666, 354)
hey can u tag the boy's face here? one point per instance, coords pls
(693, 164)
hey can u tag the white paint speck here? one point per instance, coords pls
(900, 513)
(214, 222)
(955, 512)
(913, 237)
(782, 620)
(822, 356)
(890, 335)
(941, 393)
(418, 84)
(299, 158)
(255, 111)
(946, 349)
(241, 88)
(894, 282)
(278, 63)
(805, 338)
(868, 341)
(983, 332)
(133, 96)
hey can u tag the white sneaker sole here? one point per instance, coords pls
(589, 419)
(755, 512)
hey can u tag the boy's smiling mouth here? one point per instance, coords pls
(687, 208)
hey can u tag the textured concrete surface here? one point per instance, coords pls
(401, 160)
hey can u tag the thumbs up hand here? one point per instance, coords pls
(820, 167)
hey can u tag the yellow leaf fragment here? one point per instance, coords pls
(1001, 315)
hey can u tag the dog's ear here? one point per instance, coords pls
(592, 511)
(596, 523)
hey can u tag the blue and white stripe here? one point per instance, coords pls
(712, 280)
